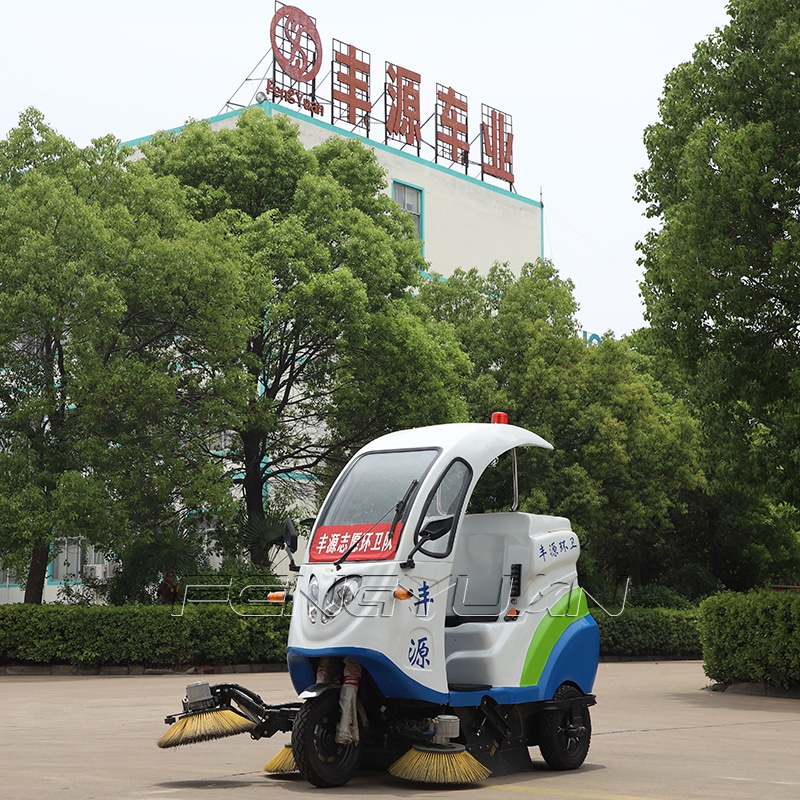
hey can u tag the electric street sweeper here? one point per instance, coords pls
(428, 637)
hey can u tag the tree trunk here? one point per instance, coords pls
(37, 573)
(253, 484)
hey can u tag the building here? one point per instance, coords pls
(448, 165)
(457, 183)
(463, 221)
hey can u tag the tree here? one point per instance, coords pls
(720, 281)
(731, 528)
(469, 302)
(520, 334)
(116, 305)
(624, 448)
(338, 348)
(639, 449)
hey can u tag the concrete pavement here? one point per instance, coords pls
(659, 734)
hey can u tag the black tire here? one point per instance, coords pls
(561, 746)
(320, 760)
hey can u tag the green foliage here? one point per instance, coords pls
(628, 450)
(648, 490)
(649, 632)
(147, 636)
(625, 448)
(232, 285)
(751, 637)
(146, 560)
(260, 536)
(212, 634)
(229, 285)
(730, 532)
(116, 314)
(720, 281)
(656, 596)
(235, 584)
(336, 344)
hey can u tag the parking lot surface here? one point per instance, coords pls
(659, 733)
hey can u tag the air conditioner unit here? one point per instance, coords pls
(94, 571)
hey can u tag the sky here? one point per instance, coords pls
(580, 79)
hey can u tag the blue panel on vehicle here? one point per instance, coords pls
(574, 658)
(390, 680)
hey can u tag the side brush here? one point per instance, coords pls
(204, 718)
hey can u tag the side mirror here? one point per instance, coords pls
(290, 542)
(433, 530)
(289, 535)
(436, 528)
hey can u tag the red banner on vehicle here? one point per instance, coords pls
(331, 542)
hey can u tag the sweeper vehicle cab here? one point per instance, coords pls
(430, 636)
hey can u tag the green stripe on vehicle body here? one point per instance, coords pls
(566, 610)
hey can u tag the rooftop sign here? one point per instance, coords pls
(397, 113)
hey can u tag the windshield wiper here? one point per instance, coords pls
(399, 509)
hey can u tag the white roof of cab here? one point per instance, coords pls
(478, 443)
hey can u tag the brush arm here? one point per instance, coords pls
(269, 719)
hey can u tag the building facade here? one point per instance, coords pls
(463, 221)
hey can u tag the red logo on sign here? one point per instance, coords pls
(296, 44)
(331, 542)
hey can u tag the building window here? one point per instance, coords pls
(409, 199)
(68, 559)
(73, 560)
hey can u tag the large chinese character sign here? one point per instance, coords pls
(497, 140)
(452, 143)
(296, 64)
(350, 88)
(403, 105)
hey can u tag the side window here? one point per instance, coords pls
(446, 500)
(409, 199)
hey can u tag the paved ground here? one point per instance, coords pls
(659, 734)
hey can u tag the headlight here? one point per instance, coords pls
(312, 600)
(341, 594)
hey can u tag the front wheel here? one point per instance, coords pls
(320, 760)
(564, 739)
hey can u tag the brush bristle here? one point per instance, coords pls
(204, 726)
(283, 761)
(432, 765)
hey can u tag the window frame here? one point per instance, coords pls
(418, 215)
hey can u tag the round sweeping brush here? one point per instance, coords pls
(439, 763)
(282, 762)
(202, 726)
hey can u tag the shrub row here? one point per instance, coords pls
(150, 636)
(751, 637)
(94, 636)
(649, 632)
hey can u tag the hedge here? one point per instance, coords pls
(150, 636)
(751, 637)
(741, 637)
(648, 633)
(211, 634)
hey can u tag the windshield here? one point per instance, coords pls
(364, 506)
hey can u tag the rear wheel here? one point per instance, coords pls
(563, 738)
(320, 760)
